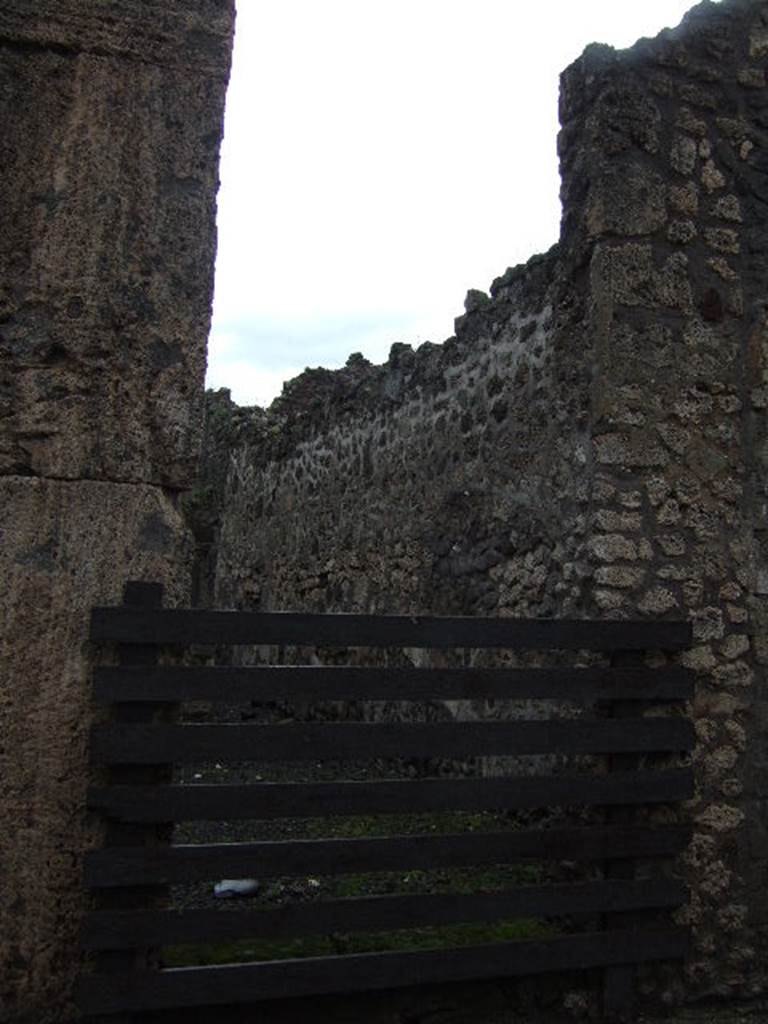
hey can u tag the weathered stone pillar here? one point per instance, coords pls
(665, 160)
(112, 120)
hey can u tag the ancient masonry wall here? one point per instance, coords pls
(409, 498)
(112, 119)
(592, 442)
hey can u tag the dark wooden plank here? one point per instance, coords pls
(319, 799)
(318, 683)
(115, 930)
(121, 744)
(200, 986)
(161, 865)
(179, 626)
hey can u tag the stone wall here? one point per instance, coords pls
(592, 441)
(418, 485)
(112, 119)
(673, 156)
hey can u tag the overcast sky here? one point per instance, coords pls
(380, 158)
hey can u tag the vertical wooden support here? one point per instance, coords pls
(620, 983)
(118, 833)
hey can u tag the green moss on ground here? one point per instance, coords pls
(403, 940)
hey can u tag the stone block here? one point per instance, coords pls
(192, 34)
(683, 155)
(109, 173)
(628, 201)
(66, 546)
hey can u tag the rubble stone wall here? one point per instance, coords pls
(417, 485)
(674, 157)
(112, 119)
(592, 442)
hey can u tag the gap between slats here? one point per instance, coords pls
(125, 866)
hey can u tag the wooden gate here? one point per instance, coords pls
(621, 918)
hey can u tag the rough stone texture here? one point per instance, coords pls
(106, 252)
(66, 546)
(415, 485)
(592, 441)
(396, 487)
(226, 426)
(677, 320)
(112, 119)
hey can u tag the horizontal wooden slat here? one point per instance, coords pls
(157, 744)
(319, 683)
(126, 929)
(161, 865)
(199, 986)
(181, 626)
(318, 799)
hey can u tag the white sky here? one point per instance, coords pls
(380, 158)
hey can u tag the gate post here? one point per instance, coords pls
(120, 833)
(620, 983)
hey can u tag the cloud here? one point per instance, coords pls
(255, 358)
(249, 383)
